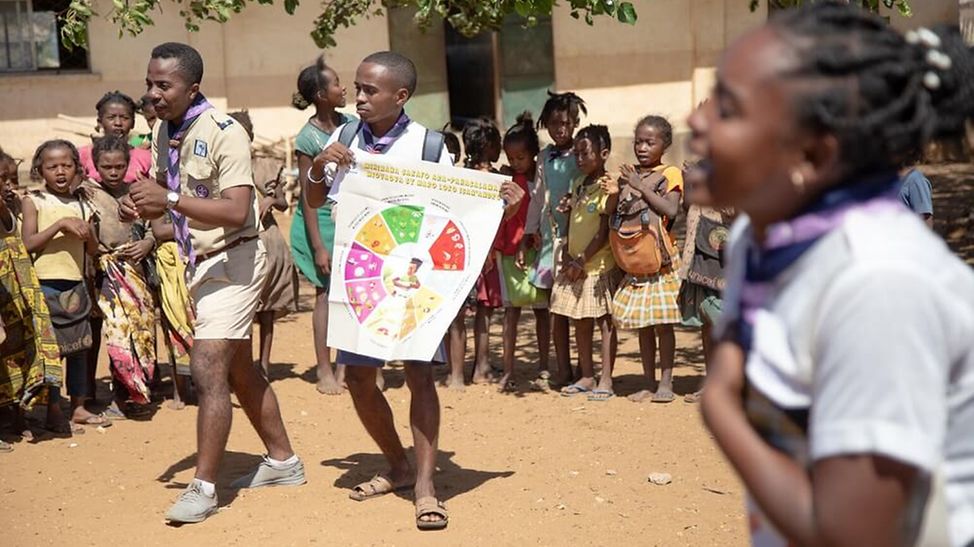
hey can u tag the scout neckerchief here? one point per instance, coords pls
(176, 133)
(788, 241)
(385, 141)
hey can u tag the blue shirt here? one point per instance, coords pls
(916, 193)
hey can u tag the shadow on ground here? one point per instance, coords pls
(451, 479)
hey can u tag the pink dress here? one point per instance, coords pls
(140, 163)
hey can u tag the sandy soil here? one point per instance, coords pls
(528, 468)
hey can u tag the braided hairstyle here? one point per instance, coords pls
(110, 143)
(115, 97)
(661, 125)
(35, 164)
(523, 131)
(598, 135)
(882, 94)
(481, 141)
(562, 102)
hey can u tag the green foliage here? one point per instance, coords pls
(469, 17)
(901, 6)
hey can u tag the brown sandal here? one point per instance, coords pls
(378, 485)
(431, 506)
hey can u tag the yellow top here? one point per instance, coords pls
(214, 155)
(588, 208)
(63, 256)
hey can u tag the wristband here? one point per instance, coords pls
(312, 180)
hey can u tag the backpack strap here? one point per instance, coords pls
(347, 134)
(432, 146)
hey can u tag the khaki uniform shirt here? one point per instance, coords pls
(214, 155)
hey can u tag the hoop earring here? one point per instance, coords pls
(798, 181)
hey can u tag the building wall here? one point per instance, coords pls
(663, 64)
(250, 62)
(430, 105)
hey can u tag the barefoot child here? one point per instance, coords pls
(280, 294)
(176, 317)
(646, 302)
(521, 148)
(313, 232)
(123, 294)
(455, 340)
(57, 233)
(546, 228)
(482, 148)
(588, 276)
(30, 368)
(116, 117)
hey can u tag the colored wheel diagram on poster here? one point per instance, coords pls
(401, 264)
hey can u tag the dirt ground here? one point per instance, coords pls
(527, 468)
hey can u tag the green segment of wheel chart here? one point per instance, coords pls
(404, 222)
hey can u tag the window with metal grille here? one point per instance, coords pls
(31, 38)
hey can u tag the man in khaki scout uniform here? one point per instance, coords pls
(204, 181)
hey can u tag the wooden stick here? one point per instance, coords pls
(290, 182)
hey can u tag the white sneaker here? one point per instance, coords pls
(193, 505)
(268, 475)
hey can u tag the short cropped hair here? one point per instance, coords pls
(188, 59)
(399, 65)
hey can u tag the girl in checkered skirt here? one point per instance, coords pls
(587, 276)
(648, 303)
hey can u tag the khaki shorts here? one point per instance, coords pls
(225, 290)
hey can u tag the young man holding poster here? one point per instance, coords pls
(384, 82)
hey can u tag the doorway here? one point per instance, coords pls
(471, 67)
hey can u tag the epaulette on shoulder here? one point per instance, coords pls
(223, 124)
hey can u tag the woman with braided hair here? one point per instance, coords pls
(313, 231)
(841, 386)
(482, 149)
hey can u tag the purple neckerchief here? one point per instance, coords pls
(385, 141)
(179, 222)
(788, 241)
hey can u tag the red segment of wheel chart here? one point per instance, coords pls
(449, 251)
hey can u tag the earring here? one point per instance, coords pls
(798, 181)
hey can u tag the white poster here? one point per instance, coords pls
(411, 238)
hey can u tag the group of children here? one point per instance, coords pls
(586, 249)
(75, 274)
(575, 253)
